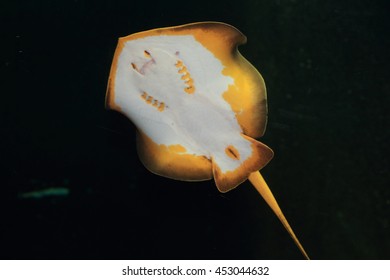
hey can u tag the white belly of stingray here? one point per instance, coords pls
(151, 90)
(222, 131)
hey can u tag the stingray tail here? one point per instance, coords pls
(261, 186)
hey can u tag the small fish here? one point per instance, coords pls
(49, 192)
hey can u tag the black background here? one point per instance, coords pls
(325, 64)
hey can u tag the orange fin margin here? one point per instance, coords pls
(261, 186)
(168, 162)
(261, 155)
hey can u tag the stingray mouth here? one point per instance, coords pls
(142, 70)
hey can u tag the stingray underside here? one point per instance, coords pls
(246, 97)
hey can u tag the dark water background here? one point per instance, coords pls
(325, 64)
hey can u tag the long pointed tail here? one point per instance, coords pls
(261, 186)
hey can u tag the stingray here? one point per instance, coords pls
(198, 106)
